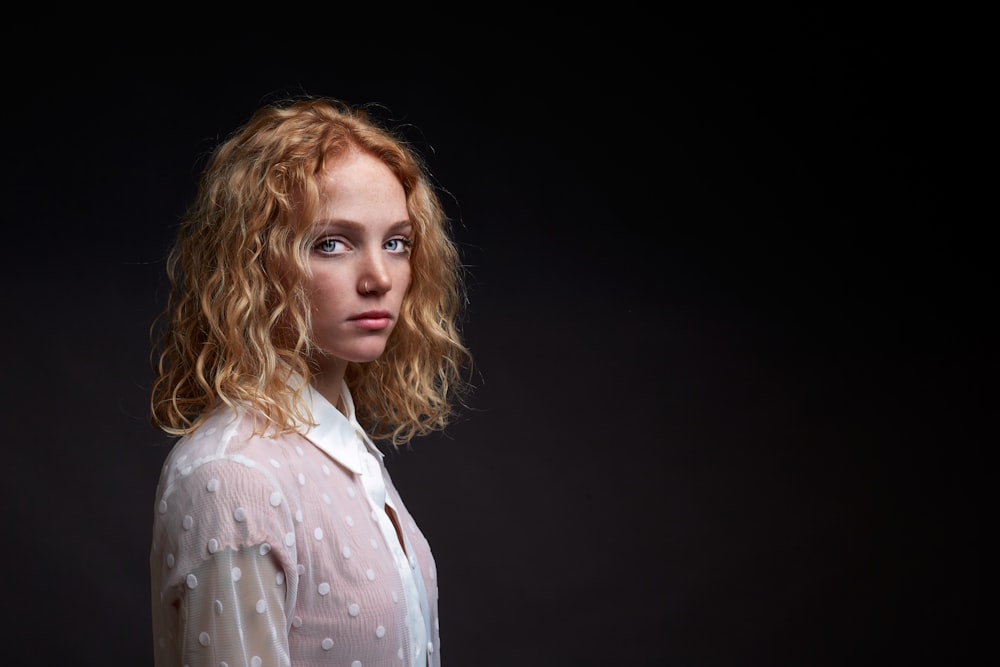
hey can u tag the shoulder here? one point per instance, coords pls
(225, 487)
(226, 459)
(227, 438)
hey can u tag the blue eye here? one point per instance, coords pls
(328, 246)
(399, 245)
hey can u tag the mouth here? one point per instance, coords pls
(372, 320)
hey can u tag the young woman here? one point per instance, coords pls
(313, 310)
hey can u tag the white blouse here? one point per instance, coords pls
(284, 551)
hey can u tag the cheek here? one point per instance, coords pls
(323, 295)
(407, 283)
(402, 276)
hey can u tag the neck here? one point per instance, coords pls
(328, 379)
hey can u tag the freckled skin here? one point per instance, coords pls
(360, 264)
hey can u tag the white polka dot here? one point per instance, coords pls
(218, 607)
(240, 514)
(327, 644)
(275, 499)
(265, 549)
(354, 609)
(380, 631)
(346, 551)
(297, 621)
(399, 653)
(213, 545)
(223, 664)
(326, 499)
(430, 647)
(298, 515)
(256, 661)
(213, 485)
(374, 543)
(351, 492)
(349, 520)
(274, 463)
(318, 533)
(204, 639)
(163, 506)
(356, 663)
(261, 606)
(370, 573)
(191, 581)
(326, 469)
(186, 470)
(290, 539)
(395, 598)
(299, 450)
(188, 522)
(170, 560)
(211, 431)
(301, 569)
(279, 578)
(302, 479)
(324, 588)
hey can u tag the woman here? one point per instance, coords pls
(315, 294)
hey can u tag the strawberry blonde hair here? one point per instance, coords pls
(237, 326)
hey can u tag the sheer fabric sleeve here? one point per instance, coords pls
(233, 611)
(223, 566)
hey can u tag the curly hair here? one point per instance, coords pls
(236, 328)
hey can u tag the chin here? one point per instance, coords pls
(365, 356)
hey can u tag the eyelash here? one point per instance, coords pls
(406, 242)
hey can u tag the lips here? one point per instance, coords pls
(373, 320)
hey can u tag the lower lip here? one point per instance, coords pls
(372, 323)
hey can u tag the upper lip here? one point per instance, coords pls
(372, 315)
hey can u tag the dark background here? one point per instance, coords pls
(729, 321)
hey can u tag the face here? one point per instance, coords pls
(360, 260)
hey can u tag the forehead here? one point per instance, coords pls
(354, 165)
(356, 185)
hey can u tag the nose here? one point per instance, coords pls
(374, 277)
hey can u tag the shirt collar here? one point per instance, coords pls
(335, 434)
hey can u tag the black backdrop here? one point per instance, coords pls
(728, 328)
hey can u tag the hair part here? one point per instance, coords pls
(236, 328)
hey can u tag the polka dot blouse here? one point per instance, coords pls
(289, 550)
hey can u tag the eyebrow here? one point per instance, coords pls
(355, 226)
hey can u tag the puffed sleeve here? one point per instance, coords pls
(233, 612)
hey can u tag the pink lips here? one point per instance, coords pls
(373, 320)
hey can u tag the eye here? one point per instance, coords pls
(329, 246)
(400, 245)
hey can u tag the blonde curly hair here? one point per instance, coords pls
(237, 326)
